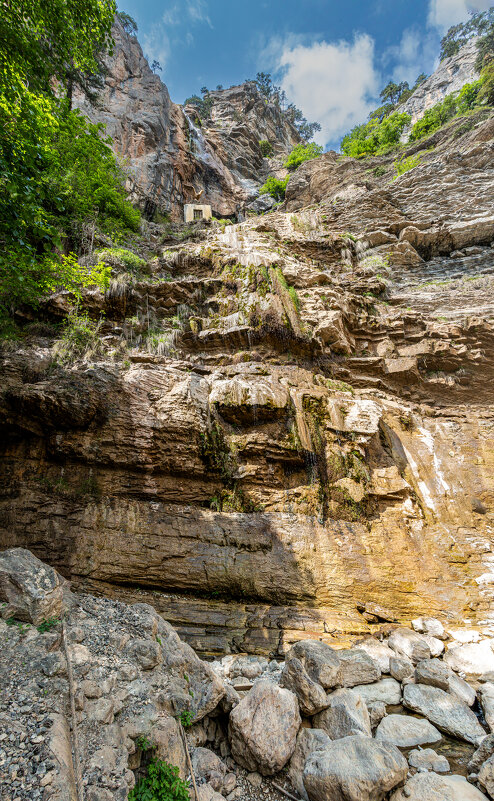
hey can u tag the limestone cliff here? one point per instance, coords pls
(285, 428)
(172, 155)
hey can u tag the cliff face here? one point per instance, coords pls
(173, 156)
(450, 76)
(289, 421)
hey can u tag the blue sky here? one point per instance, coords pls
(332, 57)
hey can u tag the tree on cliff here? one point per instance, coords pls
(458, 35)
(56, 171)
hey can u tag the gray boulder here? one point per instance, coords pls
(445, 711)
(346, 714)
(379, 651)
(405, 731)
(357, 667)
(427, 759)
(483, 752)
(32, 590)
(431, 787)
(406, 642)
(377, 711)
(263, 728)
(387, 690)
(354, 769)
(487, 703)
(320, 662)
(208, 768)
(486, 776)
(433, 672)
(311, 696)
(400, 667)
(308, 741)
(429, 625)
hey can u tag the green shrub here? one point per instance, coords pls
(161, 783)
(275, 187)
(403, 164)
(266, 148)
(302, 153)
(80, 337)
(375, 137)
(452, 106)
(186, 718)
(121, 257)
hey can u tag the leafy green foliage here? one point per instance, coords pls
(48, 625)
(485, 46)
(452, 105)
(122, 257)
(406, 164)
(458, 35)
(202, 104)
(486, 94)
(375, 137)
(266, 148)
(161, 783)
(80, 337)
(275, 187)
(302, 153)
(186, 718)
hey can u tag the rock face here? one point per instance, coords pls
(263, 728)
(354, 769)
(32, 591)
(173, 158)
(450, 76)
(445, 711)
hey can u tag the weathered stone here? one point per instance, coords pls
(263, 728)
(405, 731)
(32, 590)
(308, 741)
(431, 787)
(357, 667)
(482, 754)
(146, 653)
(486, 776)
(379, 651)
(434, 673)
(311, 696)
(386, 690)
(320, 662)
(355, 769)
(377, 711)
(400, 667)
(429, 625)
(474, 659)
(487, 703)
(445, 711)
(408, 643)
(208, 767)
(346, 714)
(427, 760)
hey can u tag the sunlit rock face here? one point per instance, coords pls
(173, 156)
(287, 432)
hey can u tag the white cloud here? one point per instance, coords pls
(157, 42)
(444, 13)
(195, 11)
(416, 53)
(334, 83)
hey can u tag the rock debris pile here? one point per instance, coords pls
(91, 691)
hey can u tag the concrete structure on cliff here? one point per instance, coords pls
(196, 211)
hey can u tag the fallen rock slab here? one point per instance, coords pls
(445, 711)
(428, 760)
(405, 731)
(357, 667)
(32, 589)
(431, 787)
(311, 696)
(379, 651)
(387, 690)
(354, 769)
(263, 728)
(346, 714)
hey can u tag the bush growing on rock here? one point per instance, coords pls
(302, 153)
(266, 148)
(275, 187)
(375, 137)
(161, 783)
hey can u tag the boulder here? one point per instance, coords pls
(320, 662)
(308, 741)
(346, 714)
(429, 625)
(462, 690)
(406, 642)
(435, 644)
(357, 667)
(377, 711)
(487, 703)
(405, 731)
(400, 667)
(32, 590)
(427, 759)
(474, 659)
(354, 769)
(263, 728)
(431, 787)
(434, 673)
(486, 776)
(483, 752)
(208, 768)
(386, 690)
(311, 696)
(445, 711)
(379, 651)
